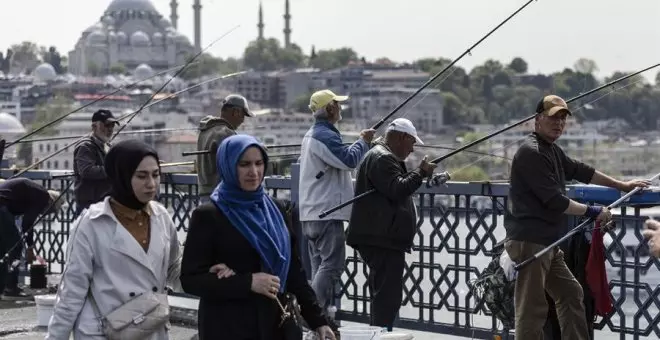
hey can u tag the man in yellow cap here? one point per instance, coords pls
(535, 218)
(323, 152)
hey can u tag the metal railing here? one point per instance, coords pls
(459, 225)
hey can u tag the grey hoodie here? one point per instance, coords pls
(212, 131)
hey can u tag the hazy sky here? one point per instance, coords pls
(549, 34)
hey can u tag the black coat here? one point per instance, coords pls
(385, 218)
(228, 309)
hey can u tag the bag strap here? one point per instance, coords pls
(95, 307)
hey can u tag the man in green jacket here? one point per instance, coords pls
(212, 131)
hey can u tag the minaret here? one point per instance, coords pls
(260, 25)
(287, 26)
(174, 17)
(197, 9)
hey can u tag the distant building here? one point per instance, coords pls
(426, 112)
(130, 33)
(10, 130)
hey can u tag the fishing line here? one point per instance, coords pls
(130, 115)
(130, 85)
(581, 226)
(62, 193)
(428, 92)
(435, 77)
(491, 135)
(144, 131)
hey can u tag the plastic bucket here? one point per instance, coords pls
(396, 336)
(45, 304)
(360, 333)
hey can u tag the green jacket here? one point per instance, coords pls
(212, 131)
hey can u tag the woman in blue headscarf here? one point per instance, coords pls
(244, 229)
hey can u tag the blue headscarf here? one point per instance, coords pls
(253, 213)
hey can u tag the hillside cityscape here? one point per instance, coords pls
(133, 41)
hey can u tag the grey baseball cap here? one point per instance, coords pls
(239, 101)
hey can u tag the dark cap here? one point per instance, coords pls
(104, 116)
(235, 100)
(552, 104)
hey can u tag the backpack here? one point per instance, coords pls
(495, 290)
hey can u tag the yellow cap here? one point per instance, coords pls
(322, 98)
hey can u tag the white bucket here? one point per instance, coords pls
(360, 333)
(396, 336)
(45, 304)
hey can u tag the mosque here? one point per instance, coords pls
(133, 34)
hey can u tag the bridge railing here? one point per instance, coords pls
(459, 224)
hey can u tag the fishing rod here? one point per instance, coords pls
(205, 152)
(443, 147)
(188, 63)
(129, 115)
(172, 95)
(56, 120)
(436, 76)
(450, 65)
(131, 132)
(580, 227)
(491, 135)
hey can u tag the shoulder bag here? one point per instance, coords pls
(136, 319)
(290, 322)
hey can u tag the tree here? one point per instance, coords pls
(584, 65)
(121, 69)
(25, 56)
(5, 67)
(301, 103)
(53, 57)
(518, 65)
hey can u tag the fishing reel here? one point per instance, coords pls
(438, 179)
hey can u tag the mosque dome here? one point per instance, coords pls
(96, 27)
(143, 71)
(181, 39)
(165, 23)
(140, 38)
(158, 38)
(10, 124)
(44, 72)
(122, 37)
(127, 5)
(108, 20)
(96, 37)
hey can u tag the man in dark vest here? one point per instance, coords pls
(91, 183)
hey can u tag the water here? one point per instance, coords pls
(444, 285)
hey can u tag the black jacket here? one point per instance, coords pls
(537, 195)
(387, 217)
(228, 309)
(24, 197)
(91, 182)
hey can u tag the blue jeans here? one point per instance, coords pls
(327, 252)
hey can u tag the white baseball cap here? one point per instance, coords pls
(405, 126)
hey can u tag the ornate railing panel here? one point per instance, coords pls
(458, 227)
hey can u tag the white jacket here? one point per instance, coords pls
(322, 149)
(100, 249)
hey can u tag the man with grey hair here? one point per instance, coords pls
(323, 152)
(212, 131)
(383, 224)
(90, 181)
